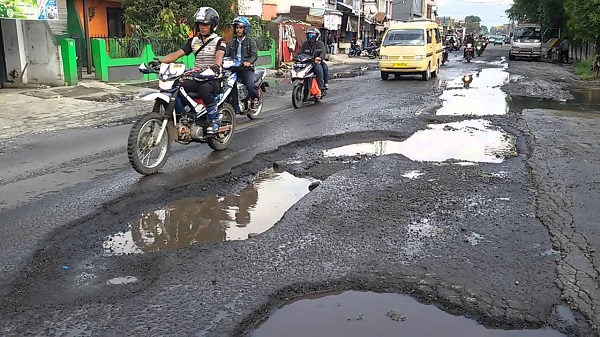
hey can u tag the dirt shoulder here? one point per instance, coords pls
(545, 80)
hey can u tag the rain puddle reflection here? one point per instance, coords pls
(253, 210)
(354, 314)
(483, 97)
(470, 140)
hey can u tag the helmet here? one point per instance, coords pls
(242, 21)
(312, 34)
(209, 16)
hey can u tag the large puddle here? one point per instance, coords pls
(585, 100)
(360, 314)
(470, 140)
(482, 97)
(253, 210)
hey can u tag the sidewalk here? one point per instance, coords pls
(28, 111)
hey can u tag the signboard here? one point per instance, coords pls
(29, 9)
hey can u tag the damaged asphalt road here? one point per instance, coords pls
(479, 234)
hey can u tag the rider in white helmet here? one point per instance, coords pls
(209, 50)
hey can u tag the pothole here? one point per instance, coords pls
(354, 314)
(482, 97)
(239, 216)
(470, 140)
(585, 100)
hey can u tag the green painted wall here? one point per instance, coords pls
(103, 61)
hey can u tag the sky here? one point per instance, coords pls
(491, 12)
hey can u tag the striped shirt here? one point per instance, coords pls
(206, 57)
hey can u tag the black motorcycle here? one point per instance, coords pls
(354, 50)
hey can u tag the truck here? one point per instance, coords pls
(527, 41)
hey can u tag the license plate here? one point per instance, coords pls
(400, 65)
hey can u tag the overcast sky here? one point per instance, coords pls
(491, 12)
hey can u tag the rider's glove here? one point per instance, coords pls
(216, 69)
(154, 64)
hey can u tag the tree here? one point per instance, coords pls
(145, 13)
(548, 13)
(484, 30)
(473, 24)
(584, 20)
(493, 31)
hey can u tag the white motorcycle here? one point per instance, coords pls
(178, 115)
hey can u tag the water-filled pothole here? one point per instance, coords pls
(354, 314)
(470, 140)
(252, 210)
(585, 100)
(482, 97)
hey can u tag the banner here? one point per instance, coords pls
(29, 9)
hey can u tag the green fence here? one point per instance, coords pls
(113, 67)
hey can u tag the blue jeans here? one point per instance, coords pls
(246, 76)
(321, 70)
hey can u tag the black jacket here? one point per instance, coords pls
(249, 49)
(306, 48)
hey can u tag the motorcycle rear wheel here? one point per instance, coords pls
(140, 144)
(255, 114)
(221, 141)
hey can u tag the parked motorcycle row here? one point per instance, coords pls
(181, 116)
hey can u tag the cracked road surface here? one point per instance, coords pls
(502, 234)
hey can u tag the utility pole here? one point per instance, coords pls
(359, 12)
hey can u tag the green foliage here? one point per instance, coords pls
(473, 24)
(583, 70)
(484, 30)
(165, 17)
(548, 13)
(584, 20)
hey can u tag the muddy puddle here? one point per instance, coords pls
(470, 140)
(359, 314)
(247, 213)
(585, 100)
(482, 97)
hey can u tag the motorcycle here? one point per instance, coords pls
(479, 48)
(469, 52)
(371, 52)
(178, 115)
(242, 92)
(354, 50)
(303, 78)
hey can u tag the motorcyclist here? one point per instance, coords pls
(471, 40)
(209, 50)
(245, 50)
(309, 47)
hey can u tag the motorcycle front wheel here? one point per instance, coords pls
(256, 112)
(372, 56)
(141, 144)
(297, 94)
(351, 54)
